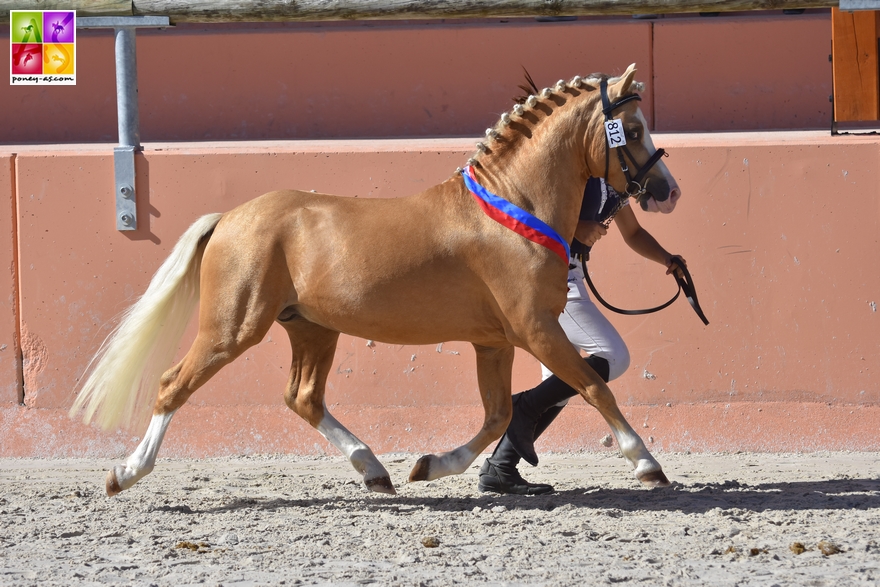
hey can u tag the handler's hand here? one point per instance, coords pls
(674, 263)
(588, 232)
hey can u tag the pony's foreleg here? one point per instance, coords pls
(376, 477)
(313, 349)
(550, 346)
(494, 369)
(142, 460)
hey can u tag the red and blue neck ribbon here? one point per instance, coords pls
(515, 218)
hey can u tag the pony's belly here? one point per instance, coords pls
(414, 324)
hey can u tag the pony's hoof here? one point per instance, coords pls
(381, 485)
(654, 479)
(112, 484)
(422, 469)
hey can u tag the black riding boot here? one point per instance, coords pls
(532, 404)
(499, 473)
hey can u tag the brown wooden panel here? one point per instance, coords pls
(854, 65)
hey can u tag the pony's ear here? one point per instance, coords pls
(626, 80)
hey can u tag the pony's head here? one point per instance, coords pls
(620, 147)
(562, 129)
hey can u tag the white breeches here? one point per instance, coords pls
(589, 330)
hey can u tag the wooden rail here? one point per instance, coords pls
(82, 7)
(318, 10)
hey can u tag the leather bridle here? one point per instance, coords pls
(634, 187)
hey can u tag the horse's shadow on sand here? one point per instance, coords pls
(697, 498)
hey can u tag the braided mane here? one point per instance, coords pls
(502, 136)
(530, 87)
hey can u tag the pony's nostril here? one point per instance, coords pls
(674, 195)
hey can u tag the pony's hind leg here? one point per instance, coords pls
(175, 387)
(142, 460)
(313, 349)
(494, 369)
(232, 318)
(205, 358)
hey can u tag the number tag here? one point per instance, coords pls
(614, 133)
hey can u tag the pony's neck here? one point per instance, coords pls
(544, 170)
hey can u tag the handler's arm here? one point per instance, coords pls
(640, 240)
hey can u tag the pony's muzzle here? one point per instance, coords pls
(660, 196)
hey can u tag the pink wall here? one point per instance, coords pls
(370, 80)
(321, 81)
(733, 74)
(774, 226)
(82, 271)
(778, 245)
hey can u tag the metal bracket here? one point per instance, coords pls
(126, 203)
(126, 107)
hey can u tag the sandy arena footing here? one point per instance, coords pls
(728, 519)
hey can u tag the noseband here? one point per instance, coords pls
(634, 187)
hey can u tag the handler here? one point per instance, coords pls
(587, 329)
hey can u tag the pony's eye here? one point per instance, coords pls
(633, 135)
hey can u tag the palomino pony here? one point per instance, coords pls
(455, 262)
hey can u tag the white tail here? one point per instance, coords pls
(123, 377)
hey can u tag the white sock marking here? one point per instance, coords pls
(360, 455)
(143, 459)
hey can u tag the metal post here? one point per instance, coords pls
(126, 108)
(129, 129)
(127, 87)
